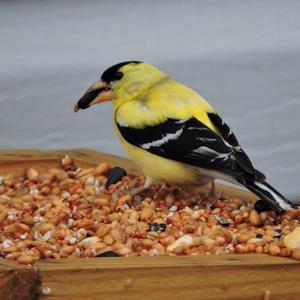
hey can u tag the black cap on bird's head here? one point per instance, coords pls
(101, 90)
(113, 73)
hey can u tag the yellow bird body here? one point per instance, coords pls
(172, 133)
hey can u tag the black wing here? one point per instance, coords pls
(239, 154)
(188, 141)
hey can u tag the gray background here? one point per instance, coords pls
(243, 56)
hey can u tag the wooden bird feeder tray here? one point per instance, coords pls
(232, 277)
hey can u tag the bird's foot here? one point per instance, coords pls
(215, 193)
(138, 190)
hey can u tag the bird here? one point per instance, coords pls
(173, 134)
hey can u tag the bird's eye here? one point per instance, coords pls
(118, 75)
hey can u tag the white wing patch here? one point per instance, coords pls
(203, 150)
(206, 151)
(199, 128)
(223, 156)
(168, 137)
(202, 139)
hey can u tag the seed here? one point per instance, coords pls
(296, 254)
(251, 247)
(185, 239)
(72, 240)
(274, 249)
(286, 252)
(208, 232)
(47, 253)
(264, 216)
(11, 228)
(113, 217)
(244, 238)
(32, 174)
(146, 214)
(46, 227)
(67, 161)
(67, 250)
(47, 236)
(261, 206)
(108, 240)
(173, 208)
(66, 195)
(219, 204)
(100, 202)
(25, 259)
(90, 240)
(259, 249)
(102, 168)
(102, 230)
(254, 218)
(46, 291)
(241, 249)
(124, 199)
(268, 238)
(267, 295)
(97, 246)
(209, 244)
(238, 219)
(55, 190)
(90, 189)
(115, 234)
(220, 240)
(115, 175)
(147, 243)
(257, 241)
(8, 180)
(170, 200)
(222, 221)
(7, 243)
(23, 227)
(4, 198)
(90, 180)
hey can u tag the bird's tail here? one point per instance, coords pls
(267, 193)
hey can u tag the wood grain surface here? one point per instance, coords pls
(230, 277)
(234, 277)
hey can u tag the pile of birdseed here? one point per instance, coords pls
(70, 212)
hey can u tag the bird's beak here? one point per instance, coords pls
(99, 92)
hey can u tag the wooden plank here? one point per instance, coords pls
(233, 277)
(18, 283)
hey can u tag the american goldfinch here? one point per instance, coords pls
(172, 133)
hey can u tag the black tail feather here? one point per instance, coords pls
(267, 193)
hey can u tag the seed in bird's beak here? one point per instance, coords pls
(99, 92)
(76, 108)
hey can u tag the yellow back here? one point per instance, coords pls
(146, 96)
